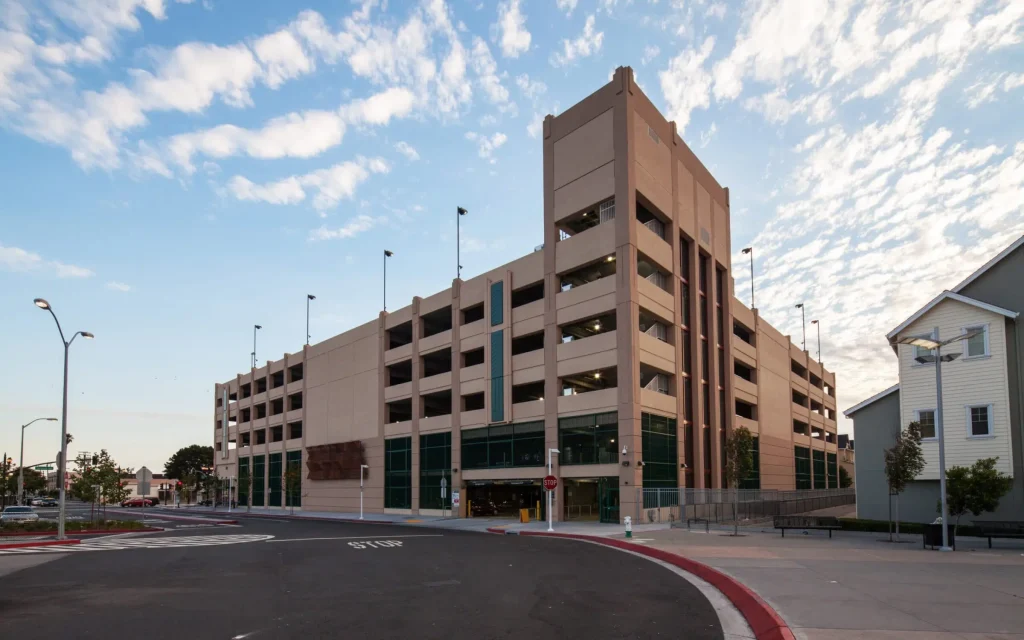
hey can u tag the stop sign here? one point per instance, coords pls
(550, 483)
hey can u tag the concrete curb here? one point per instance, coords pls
(766, 623)
(38, 543)
(193, 519)
(274, 516)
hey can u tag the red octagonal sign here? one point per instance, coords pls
(550, 483)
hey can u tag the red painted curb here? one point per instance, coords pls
(38, 543)
(765, 622)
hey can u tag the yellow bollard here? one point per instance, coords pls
(469, 509)
(524, 515)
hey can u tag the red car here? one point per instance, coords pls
(138, 502)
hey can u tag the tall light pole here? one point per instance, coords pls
(458, 240)
(309, 296)
(62, 463)
(550, 520)
(938, 359)
(387, 254)
(815, 322)
(21, 461)
(750, 250)
(803, 320)
(254, 328)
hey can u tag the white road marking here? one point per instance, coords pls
(110, 544)
(437, 535)
(375, 544)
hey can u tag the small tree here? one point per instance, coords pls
(977, 489)
(904, 461)
(245, 482)
(845, 481)
(739, 462)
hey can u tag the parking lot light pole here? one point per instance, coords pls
(550, 515)
(63, 462)
(21, 461)
(933, 344)
(362, 468)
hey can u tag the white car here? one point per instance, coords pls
(18, 514)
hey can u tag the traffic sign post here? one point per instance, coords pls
(144, 477)
(550, 484)
(444, 493)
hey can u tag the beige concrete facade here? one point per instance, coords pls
(605, 317)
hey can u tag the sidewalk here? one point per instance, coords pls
(463, 524)
(857, 587)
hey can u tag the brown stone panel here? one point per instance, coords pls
(338, 461)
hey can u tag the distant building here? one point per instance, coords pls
(847, 460)
(982, 393)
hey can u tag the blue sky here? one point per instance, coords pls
(174, 172)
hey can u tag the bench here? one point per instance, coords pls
(821, 523)
(996, 529)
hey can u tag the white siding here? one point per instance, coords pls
(973, 381)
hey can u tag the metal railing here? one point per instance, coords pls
(727, 505)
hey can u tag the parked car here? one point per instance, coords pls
(50, 502)
(137, 502)
(18, 514)
(36, 502)
(205, 503)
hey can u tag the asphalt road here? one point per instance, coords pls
(294, 579)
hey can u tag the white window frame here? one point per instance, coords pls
(988, 352)
(991, 420)
(917, 418)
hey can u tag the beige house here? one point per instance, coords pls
(618, 342)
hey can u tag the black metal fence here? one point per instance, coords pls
(728, 505)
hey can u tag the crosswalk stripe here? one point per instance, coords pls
(142, 543)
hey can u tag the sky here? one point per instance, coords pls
(174, 171)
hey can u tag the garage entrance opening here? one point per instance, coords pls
(593, 499)
(504, 498)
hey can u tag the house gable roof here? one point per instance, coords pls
(948, 295)
(988, 265)
(873, 399)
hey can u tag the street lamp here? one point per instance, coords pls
(387, 254)
(362, 468)
(62, 463)
(750, 250)
(550, 452)
(458, 240)
(21, 461)
(254, 328)
(818, 324)
(803, 319)
(935, 345)
(309, 296)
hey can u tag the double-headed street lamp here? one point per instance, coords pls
(459, 212)
(309, 296)
(750, 250)
(254, 328)
(934, 344)
(387, 254)
(62, 463)
(803, 321)
(21, 460)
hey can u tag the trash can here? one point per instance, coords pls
(933, 536)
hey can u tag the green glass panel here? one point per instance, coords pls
(660, 451)
(259, 470)
(435, 464)
(293, 479)
(243, 482)
(497, 303)
(398, 473)
(274, 481)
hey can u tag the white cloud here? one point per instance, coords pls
(331, 185)
(380, 108)
(486, 146)
(113, 285)
(532, 89)
(706, 136)
(568, 6)
(716, 10)
(687, 84)
(650, 53)
(19, 260)
(354, 227)
(487, 72)
(283, 57)
(407, 150)
(536, 125)
(985, 90)
(586, 44)
(511, 26)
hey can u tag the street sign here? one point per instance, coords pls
(144, 476)
(455, 499)
(43, 468)
(444, 488)
(550, 483)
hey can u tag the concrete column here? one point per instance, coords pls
(417, 401)
(456, 451)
